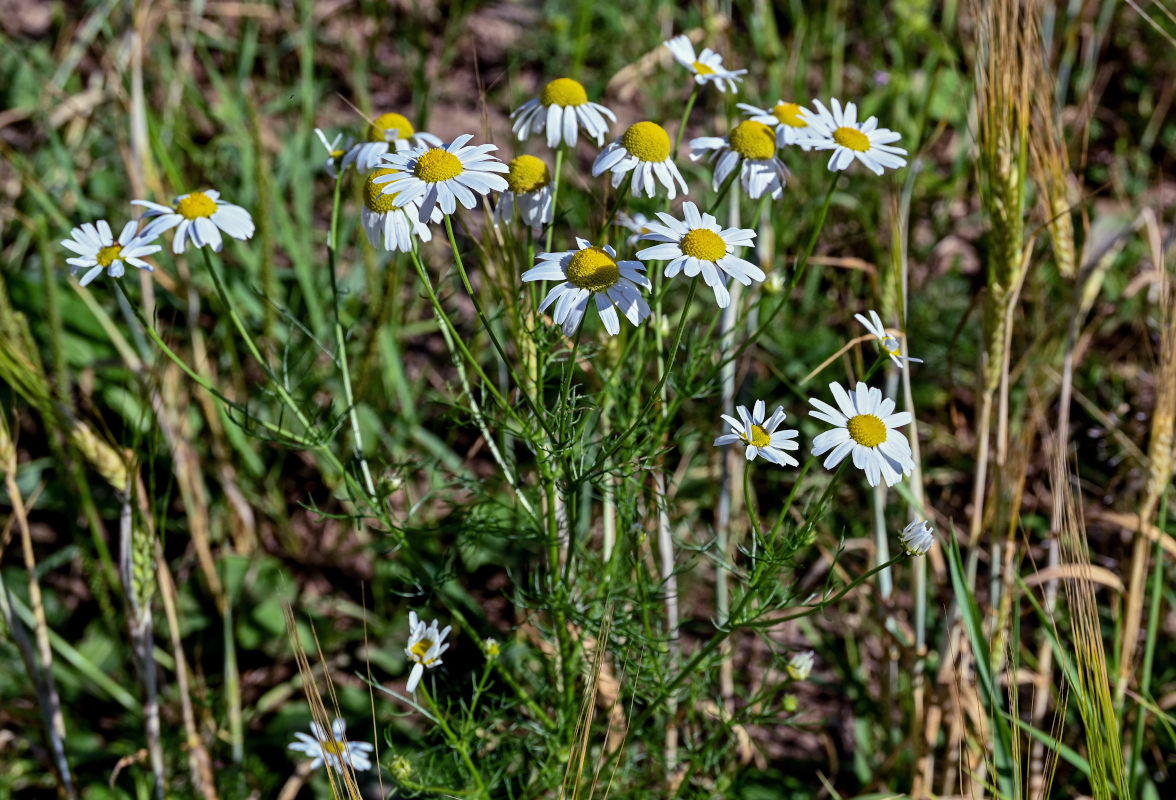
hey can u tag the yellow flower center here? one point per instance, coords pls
(563, 92)
(852, 138)
(109, 254)
(702, 69)
(790, 114)
(527, 174)
(593, 269)
(421, 648)
(753, 140)
(703, 244)
(333, 747)
(892, 346)
(648, 141)
(196, 205)
(867, 430)
(438, 165)
(337, 154)
(389, 126)
(759, 437)
(372, 197)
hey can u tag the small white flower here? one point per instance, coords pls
(335, 152)
(707, 66)
(444, 176)
(751, 146)
(801, 664)
(333, 748)
(637, 224)
(700, 246)
(787, 119)
(849, 139)
(917, 538)
(98, 250)
(424, 648)
(644, 150)
(387, 222)
(864, 426)
(762, 438)
(561, 110)
(386, 133)
(530, 189)
(890, 344)
(586, 272)
(199, 217)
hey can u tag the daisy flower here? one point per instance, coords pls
(562, 110)
(389, 222)
(636, 224)
(444, 175)
(801, 664)
(865, 426)
(751, 146)
(643, 149)
(761, 437)
(699, 245)
(787, 119)
(889, 343)
(916, 538)
(97, 249)
(386, 133)
(335, 153)
(849, 139)
(332, 747)
(424, 647)
(589, 271)
(707, 66)
(529, 183)
(199, 216)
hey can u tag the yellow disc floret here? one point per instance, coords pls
(527, 174)
(421, 649)
(563, 92)
(593, 269)
(753, 140)
(702, 69)
(648, 141)
(867, 430)
(196, 205)
(372, 193)
(703, 244)
(759, 437)
(109, 254)
(852, 138)
(332, 747)
(387, 127)
(790, 114)
(438, 165)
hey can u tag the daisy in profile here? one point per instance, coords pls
(707, 66)
(865, 426)
(336, 150)
(199, 217)
(561, 111)
(386, 133)
(751, 146)
(838, 130)
(889, 343)
(801, 664)
(760, 436)
(333, 748)
(644, 150)
(699, 246)
(787, 119)
(586, 272)
(443, 176)
(637, 224)
(917, 538)
(424, 648)
(529, 189)
(96, 249)
(388, 222)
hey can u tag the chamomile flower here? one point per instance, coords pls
(760, 435)
(865, 427)
(917, 538)
(336, 150)
(332, 747)
(838, 130)
(199, 217)
(707, 66)
(562, 110)
(424, 648)
(444, 175)
(586, 272)
(637, 224)
(529, 182)
(386, 133)
(787, 119)
(751, 146)
(390, 222)
(699, 245)
(889, 343)
(644, 150)
(801, 664)
(98, 250)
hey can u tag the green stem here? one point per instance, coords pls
(565, 389)
(1149, 647)
(682, 127)
(454, 741)
(559, 158)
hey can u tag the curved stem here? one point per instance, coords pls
(559, 158)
